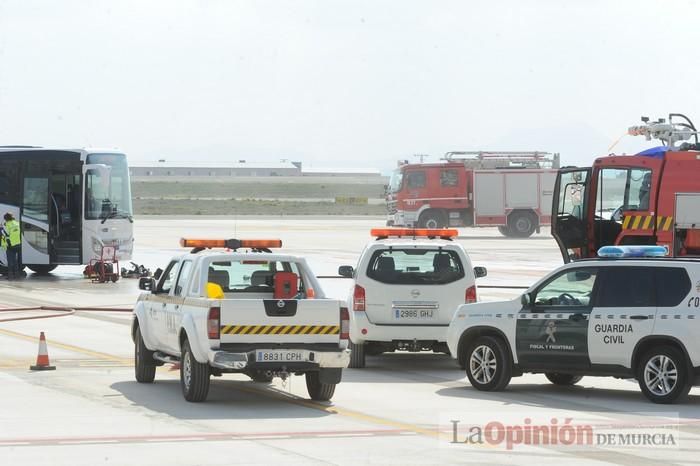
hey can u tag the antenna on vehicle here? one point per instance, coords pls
(421, 156)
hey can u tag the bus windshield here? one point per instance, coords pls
(395, 181)
(107, 198)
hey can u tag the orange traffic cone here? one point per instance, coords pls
(42, 359)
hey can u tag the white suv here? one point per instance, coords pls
(408, 285)
(626, 318)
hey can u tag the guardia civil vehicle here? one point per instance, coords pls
(627, 314)
(239, 309)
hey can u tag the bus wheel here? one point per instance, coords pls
(521, 224)
(42, 269)
(432, 219)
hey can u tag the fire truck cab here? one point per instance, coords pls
(632, 199)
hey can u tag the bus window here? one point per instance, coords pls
(107, 197)
(36, 198)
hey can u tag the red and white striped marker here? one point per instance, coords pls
(42, 359)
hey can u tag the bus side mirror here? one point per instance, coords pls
(158, 273)
(526, 300)
(480, 272)
(346, 271)
(147, 284)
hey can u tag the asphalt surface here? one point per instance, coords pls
(399, 410)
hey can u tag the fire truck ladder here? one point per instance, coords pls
(513, 159)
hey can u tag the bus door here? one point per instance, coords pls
(35, 214)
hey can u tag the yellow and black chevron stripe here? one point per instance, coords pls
(646, 222)
(280, 329)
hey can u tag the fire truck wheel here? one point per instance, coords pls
(521, 224)
(41, 269)
(504, 230)
(432, 219)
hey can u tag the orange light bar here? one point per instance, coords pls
(231, 243)
(202, 243)
(261, 243)
(415, 232)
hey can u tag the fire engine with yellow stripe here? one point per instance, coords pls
(651, 198)
(233, 306)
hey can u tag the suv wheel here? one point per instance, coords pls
(194, 376)
(357, 356)
(488, 364)
(563, 379)
(663, 375)
(144, 365)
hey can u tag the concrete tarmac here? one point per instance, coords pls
(398, 410)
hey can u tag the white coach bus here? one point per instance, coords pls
(70, 203)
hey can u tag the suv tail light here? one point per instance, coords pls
(358, 299)
(470, 295)
(344, 323)
(213, 323)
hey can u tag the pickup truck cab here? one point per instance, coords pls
(628, 314)
(408, 285)
(252, 312)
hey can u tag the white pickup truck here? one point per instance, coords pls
(254, 312)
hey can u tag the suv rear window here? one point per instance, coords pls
(415, 267)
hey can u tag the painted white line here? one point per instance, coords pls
(178, 439)
(262, 437)
(358, 434)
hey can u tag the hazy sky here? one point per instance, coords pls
(340, 83)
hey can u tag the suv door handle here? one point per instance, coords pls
(639, 317)
(577, 317)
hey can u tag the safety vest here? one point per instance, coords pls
(3, 241)
(12, 228)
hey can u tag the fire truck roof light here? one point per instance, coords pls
(414, 232)
(632, 251)
(231, 243)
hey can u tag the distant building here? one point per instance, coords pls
(240, 168)
(163, 168)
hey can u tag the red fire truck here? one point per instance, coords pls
(650, 198)
(510, 190)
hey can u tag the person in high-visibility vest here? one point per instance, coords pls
(13, 243)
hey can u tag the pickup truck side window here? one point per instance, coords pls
(168, 277)
(182, 279)
(572, 288)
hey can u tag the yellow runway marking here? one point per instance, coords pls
(64, 346)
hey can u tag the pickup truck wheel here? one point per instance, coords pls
(318, 390)
(489, 367)
(144, 365)
(563, 379)
(357, 356)
(663, 375)
(194, 376)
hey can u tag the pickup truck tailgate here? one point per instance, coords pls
(277, 321)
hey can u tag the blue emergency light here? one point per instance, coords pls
(633, 251)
